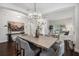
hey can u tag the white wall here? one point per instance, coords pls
(7, 15)
(76, 23)
(45, 27)
(69, 25)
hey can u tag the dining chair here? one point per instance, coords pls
(47, 52)
(56, 50)
(69, 47)
(18, 46)
(26, 50)
(60, 49)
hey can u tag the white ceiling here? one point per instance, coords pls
(46, 9)
(60, 14)
(41, 7)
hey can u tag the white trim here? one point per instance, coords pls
(15, 10)
(3, 41)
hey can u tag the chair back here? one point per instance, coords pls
(59, 48)
(26, 50)
(18, 46)
(48, 52)
(69, 47)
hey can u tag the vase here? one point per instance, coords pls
(37, 33)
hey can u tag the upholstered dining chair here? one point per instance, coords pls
(47, 52)
(26, 50)
(60, 49)
(18, 46)
(69, 47)
(56, 50)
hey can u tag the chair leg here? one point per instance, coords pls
(38, 53)
(23, 52)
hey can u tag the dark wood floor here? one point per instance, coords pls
(8, 49)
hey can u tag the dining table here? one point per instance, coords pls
(43, 41)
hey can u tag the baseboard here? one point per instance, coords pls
(3, 41)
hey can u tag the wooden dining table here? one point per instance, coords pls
(43, 41)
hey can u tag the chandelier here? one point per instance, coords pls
(35, 15)
(36, 20)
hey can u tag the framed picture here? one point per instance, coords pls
(16, 27)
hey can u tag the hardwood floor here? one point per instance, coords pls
(8, 49)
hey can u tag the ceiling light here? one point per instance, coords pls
(35, 15)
